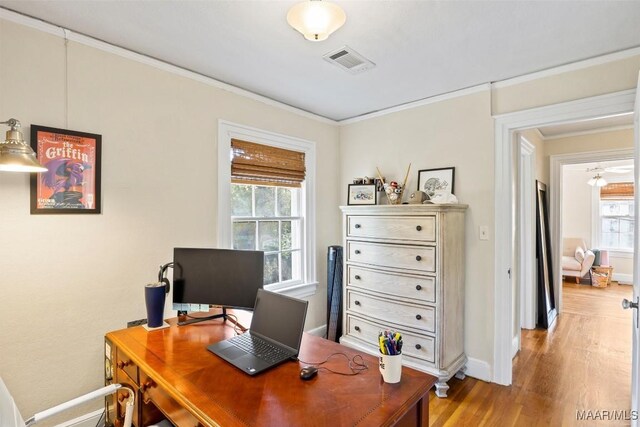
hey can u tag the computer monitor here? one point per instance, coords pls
(222, 277)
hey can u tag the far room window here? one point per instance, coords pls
(616, 216)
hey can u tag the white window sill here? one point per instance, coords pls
(299, 290)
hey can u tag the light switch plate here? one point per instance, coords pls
(484, 232)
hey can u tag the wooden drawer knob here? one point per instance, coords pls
(122, 364)
(147, 385)
(357, 251)
(357, 328)
(357, 226)
(419, 228)
(356, 302)
(418, 287)
(356, 277)
(122, 396)
(418, 346)
(418, 317)
(418, 258)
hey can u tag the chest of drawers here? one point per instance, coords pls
(404, 270)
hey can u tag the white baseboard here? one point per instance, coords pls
(320, 331)
(515, 346)
(87, 420)
(479, 369)
(623, 278)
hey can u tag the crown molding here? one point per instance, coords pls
(65, 33)
(586, 132)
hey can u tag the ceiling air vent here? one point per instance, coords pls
(349, 60)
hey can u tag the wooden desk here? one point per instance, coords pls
(176, 376)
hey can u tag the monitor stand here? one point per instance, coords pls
(222, 315)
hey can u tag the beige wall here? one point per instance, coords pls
(68, 279)
(576, 205)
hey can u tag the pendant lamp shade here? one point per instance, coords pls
(597, 181)
(316, 19)
(15, 153)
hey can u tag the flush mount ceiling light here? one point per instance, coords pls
(316, 19)
(15, 154)
(597, 181)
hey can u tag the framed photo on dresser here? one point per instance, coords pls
(362, 194)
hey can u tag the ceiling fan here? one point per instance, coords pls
(598, 180)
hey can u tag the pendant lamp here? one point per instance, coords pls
(316, 19)
(15, 153)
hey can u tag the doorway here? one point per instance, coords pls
(507, 127)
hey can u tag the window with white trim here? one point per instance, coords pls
(301, 280)
(617, 221)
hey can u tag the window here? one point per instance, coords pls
(616, 216)
(266, 201)
(267, 218)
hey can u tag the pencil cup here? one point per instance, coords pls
(154, 296)
(391, 367)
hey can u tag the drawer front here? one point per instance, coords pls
(419, 288)
(418, 258)
(124, 363)
(419, 346)
(419, 228)
(418, 317)
(151, 393)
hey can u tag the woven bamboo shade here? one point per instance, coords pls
(617, 190)
(259, 164)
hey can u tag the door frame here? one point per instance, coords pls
(526, 230)
(506, 127)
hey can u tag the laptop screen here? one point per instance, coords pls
(279, 318)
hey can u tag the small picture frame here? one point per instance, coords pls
(362, 194)
(431, 180)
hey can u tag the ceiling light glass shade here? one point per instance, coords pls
(316, 19)
(15, 154)
(598, 181)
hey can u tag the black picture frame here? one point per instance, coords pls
(436, 179)
(72, 185)
(362, 194)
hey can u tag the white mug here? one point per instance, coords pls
(391, 367)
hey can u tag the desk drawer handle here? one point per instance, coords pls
(418, 258)
(419, 228)
(122, 364)
(357, 251)
(418, 287)
(356, 277)
(418, 317)
(357, 226)
(357, 328)
(123, 395)
(418, 346)
(356, 302)
(147, 385)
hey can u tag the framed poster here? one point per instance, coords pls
(362, 194)
(431, 180)
(71, 184)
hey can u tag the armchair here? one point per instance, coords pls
(576, 258)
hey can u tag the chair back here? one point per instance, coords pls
(569, 245)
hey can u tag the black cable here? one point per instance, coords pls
(356, 364)
(102, 415)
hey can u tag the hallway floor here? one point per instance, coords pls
(583, 363)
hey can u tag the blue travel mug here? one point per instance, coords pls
(154, 296)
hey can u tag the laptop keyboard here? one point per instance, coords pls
(260, 348)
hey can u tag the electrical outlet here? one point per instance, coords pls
(484, 232)
(136, 323)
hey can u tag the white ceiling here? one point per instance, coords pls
(421, 48)
(598, 124)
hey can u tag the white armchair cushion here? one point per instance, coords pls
(579, 254)
(570, 263)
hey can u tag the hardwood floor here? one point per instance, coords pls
(582, 363)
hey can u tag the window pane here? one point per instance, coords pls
(610, 240)
(244, 235)
(284, 201)
(626, 240)
(240, 200)
(265, 201)
(271, 268)
(268, 232)
(286, 235)
(609, 225)
(287, 268)
(626, 225)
